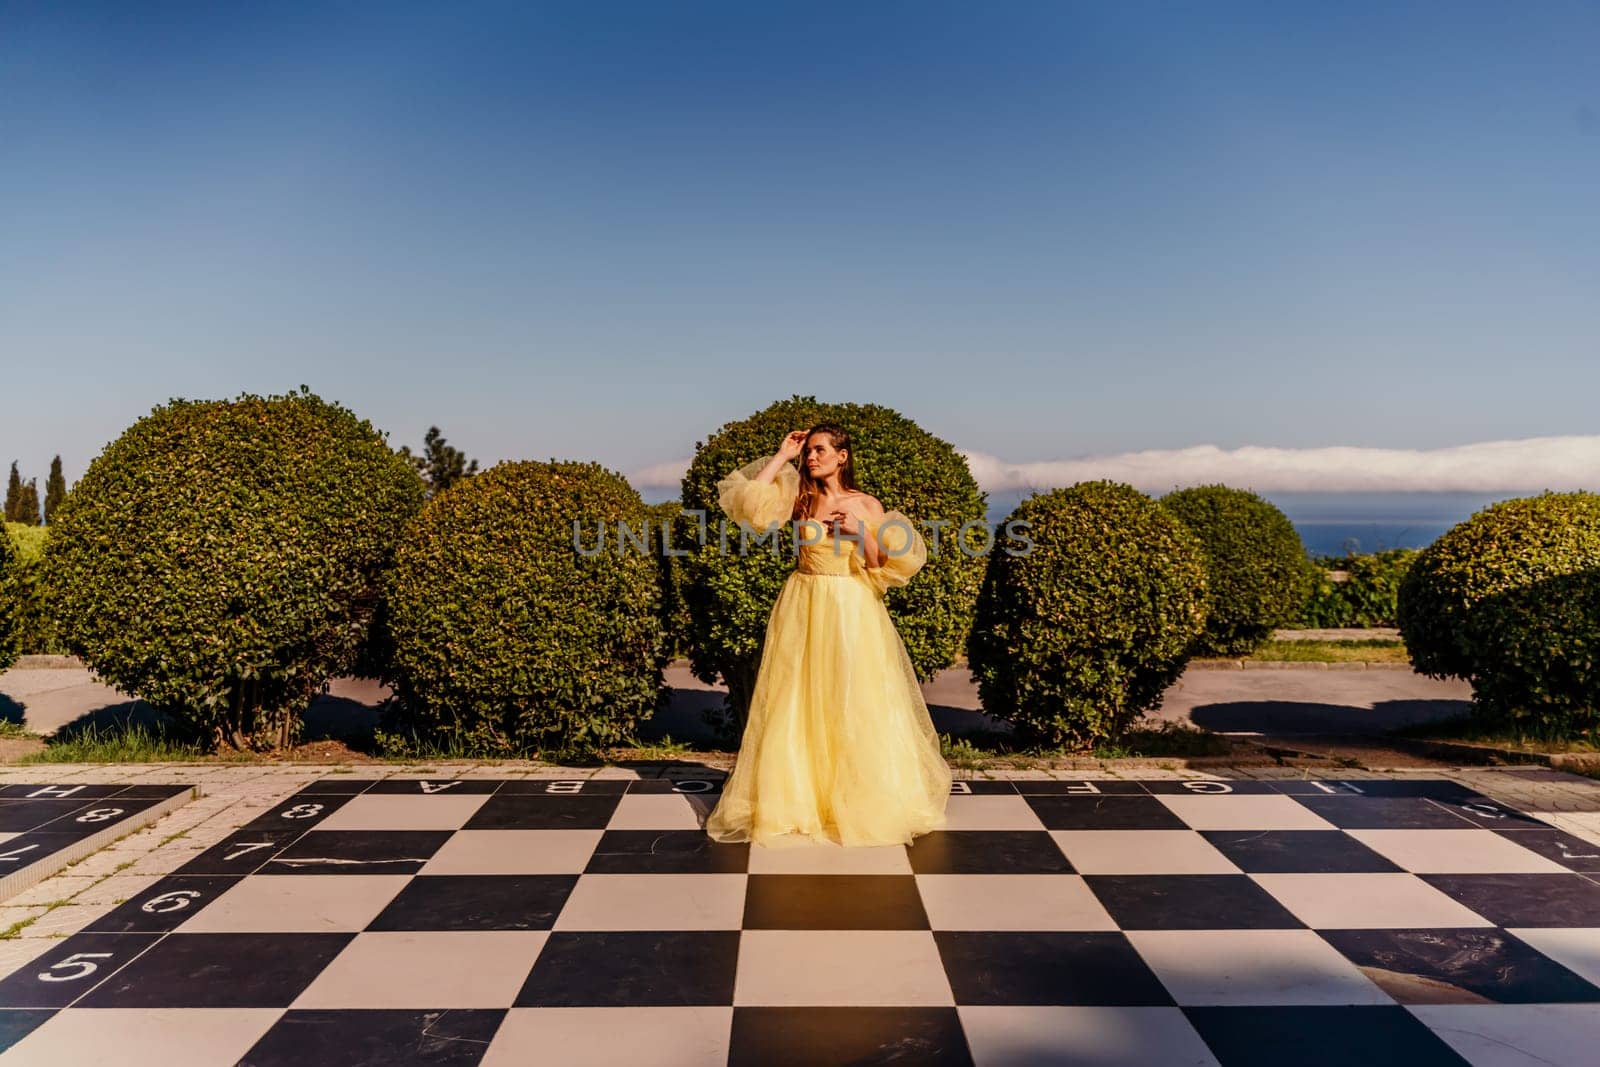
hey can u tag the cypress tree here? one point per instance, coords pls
(441, 465)
(28, 509)
(55, 490)
(13, 494)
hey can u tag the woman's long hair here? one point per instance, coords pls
(810, 488)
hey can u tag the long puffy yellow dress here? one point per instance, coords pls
(838, 746)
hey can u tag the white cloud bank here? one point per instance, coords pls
(1528, 465)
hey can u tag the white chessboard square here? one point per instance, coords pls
(1253, 967)
(1011, 902)
(655, 902)
(1366, 901)
(1005, 1035)
(864, 968)
(1455, 852)
(1141, 852)
(604, 1037)
(514, 852)
(981, 812)
(389, 811)
(658, 811)
(1248, 812)
(144, 1037)
(432, 969)
(306, 903)
(829, 857)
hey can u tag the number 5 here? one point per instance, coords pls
(77, 959)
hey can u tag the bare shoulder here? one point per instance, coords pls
(873, 507)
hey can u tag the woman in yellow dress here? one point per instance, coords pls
(838, 746)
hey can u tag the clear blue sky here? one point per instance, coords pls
(599, 230)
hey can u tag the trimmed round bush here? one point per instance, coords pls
(1080, 632)
(674, 609)
(1258, 575)
(10, 600)
(509, 640)
(729, 596)
(1509, 599)
(221, 559)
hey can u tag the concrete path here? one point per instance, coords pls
(1293, 701)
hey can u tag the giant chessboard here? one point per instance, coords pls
(1139, 922)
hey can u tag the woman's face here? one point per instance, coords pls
(821, 458)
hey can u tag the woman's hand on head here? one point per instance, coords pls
(794, 443)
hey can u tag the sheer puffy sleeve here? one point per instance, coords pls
(760, 504)
(904, 550)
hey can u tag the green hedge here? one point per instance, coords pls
(11, 598)
(220, 560)
(1258, 574)
(1366, 598)
(729, 597)
(1510, 600)
(1076, 639)
(507, 640)
(36, 632)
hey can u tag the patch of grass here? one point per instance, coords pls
(657, 751)
(15, 731)
(1361, 650)
(127, 744)
(981, 750)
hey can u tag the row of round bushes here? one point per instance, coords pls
(223, 560)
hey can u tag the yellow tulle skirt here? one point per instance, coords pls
(838, 746)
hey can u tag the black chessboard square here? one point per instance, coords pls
(666, 852)
(151, 790)
(357, 852)
(1060, 787)
(1524, 899)
(806, 1037)
(477, 902)
(633, 968)
(1189, 902)
(70, 969)
(1047, 967)
(1320, 1037)
(982, 787)
(348, 787)
(243, 852)
(1104, 813)
(1437, 788)
(97, 815)
(833, 902)
(20, 816)
(434, 787)
(300, 812)
(1205, 787)
(18, 1023)
(165, 905)
(1385, 813)
(1571, 852)
(1447, 966)
(1297, 852)
(58, 791)
(987, 852)
(456, 1038)
(505, 811)
(566, 787)
(1485, 812)
(219, 971)
(686, 786)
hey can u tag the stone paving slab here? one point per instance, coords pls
(1380, 915)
